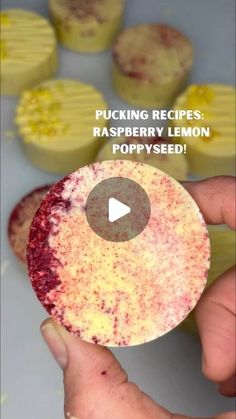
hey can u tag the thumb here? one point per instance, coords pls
(88, 369)
(96, 386)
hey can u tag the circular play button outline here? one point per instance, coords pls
(125, 193)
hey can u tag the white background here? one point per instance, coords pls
(169, 368)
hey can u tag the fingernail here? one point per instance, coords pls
(55, 343)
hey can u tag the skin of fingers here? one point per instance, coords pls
(216, 199)
(215, 312)
(215, 316)
(96, 386)
(230, 415)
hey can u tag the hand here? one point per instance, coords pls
(96, 386)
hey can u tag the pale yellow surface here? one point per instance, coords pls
(174, 165)
(131, 292)
(215, 155)
(151, 64)
(55, 121)
(28, 50)
(223, 251)
(87, 27)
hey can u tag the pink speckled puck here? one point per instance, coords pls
(21, 218)
(118, 293)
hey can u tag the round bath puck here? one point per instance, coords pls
(21, 218)
(118, 293)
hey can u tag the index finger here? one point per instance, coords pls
(215, 198)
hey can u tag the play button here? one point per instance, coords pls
(117, 209)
